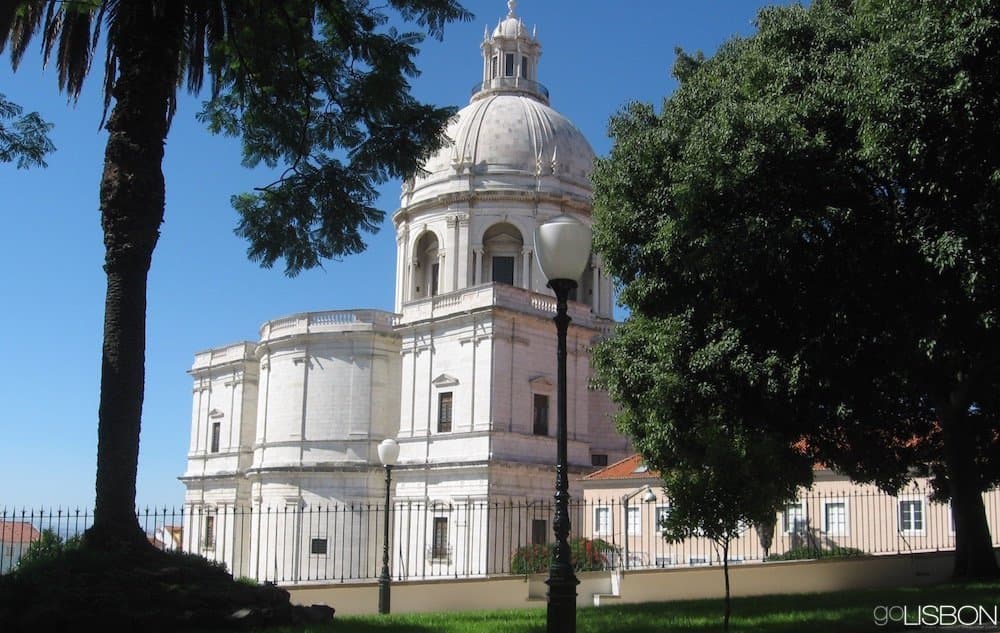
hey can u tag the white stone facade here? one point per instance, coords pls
(462, 373)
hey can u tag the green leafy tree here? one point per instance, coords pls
(24, 138)
(723, 482)
(49, 546)
(819, 199)
(719, 473)
(315, 88)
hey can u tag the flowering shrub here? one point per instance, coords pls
(585, 555)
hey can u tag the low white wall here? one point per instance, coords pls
(786, 577)
(509, 592)
(653, 585)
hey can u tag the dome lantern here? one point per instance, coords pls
(510, 60)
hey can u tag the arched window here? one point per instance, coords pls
(426, 269)
(502, 244)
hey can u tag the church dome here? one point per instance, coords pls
(508, 137)
(511, 28)
(506, 140)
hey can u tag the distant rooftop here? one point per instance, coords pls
(18, 532)
(631, 467)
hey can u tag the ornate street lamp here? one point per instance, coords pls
(563, 247)
(388, 452)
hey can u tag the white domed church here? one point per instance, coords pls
(462, 373)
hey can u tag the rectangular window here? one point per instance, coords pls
(793, 519)
(597, 459)
(444, 412)
(634, 521)
(541, 415)
(602, 520)
(216, 433)
(439, 542)
(697, 560)
(835, 518)
(209, 531)
(493, 67)
(539, 532)
(664, 561)
(318, 546)
(435, 270)
(524, 66)
(911, 516)
(508, 65)
(503, 270)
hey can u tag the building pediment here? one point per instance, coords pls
(540, 384)
(445, 380)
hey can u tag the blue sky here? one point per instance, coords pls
(203, 292)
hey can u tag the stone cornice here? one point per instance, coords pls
(564, 200)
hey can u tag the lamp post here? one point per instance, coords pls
(388, 451)
(649, 497)
(563, 247)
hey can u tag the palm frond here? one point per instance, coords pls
(50, 32)
(109, 13)
(73, 62)
(27, 18)
(8, 11)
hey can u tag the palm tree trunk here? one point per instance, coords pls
(132, 206)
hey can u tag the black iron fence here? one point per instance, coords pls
(343, 542)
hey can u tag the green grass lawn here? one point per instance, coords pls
(843, 612)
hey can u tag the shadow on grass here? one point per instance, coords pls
(838, 612)
(516, 621)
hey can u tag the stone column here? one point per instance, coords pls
(400, 270)
(477, 265)
(526, 268)
(449, 275)
(595, 287)
(462, 253)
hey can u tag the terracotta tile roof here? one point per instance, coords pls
(18, 532)
(632, 468)
(629, 468)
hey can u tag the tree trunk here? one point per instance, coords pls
(132, 206)
(974, 556)
(725, 572)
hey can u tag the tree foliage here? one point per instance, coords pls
(585, 555)
(809, 226)
(48, 547)
(720, 473)
(24, 138)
